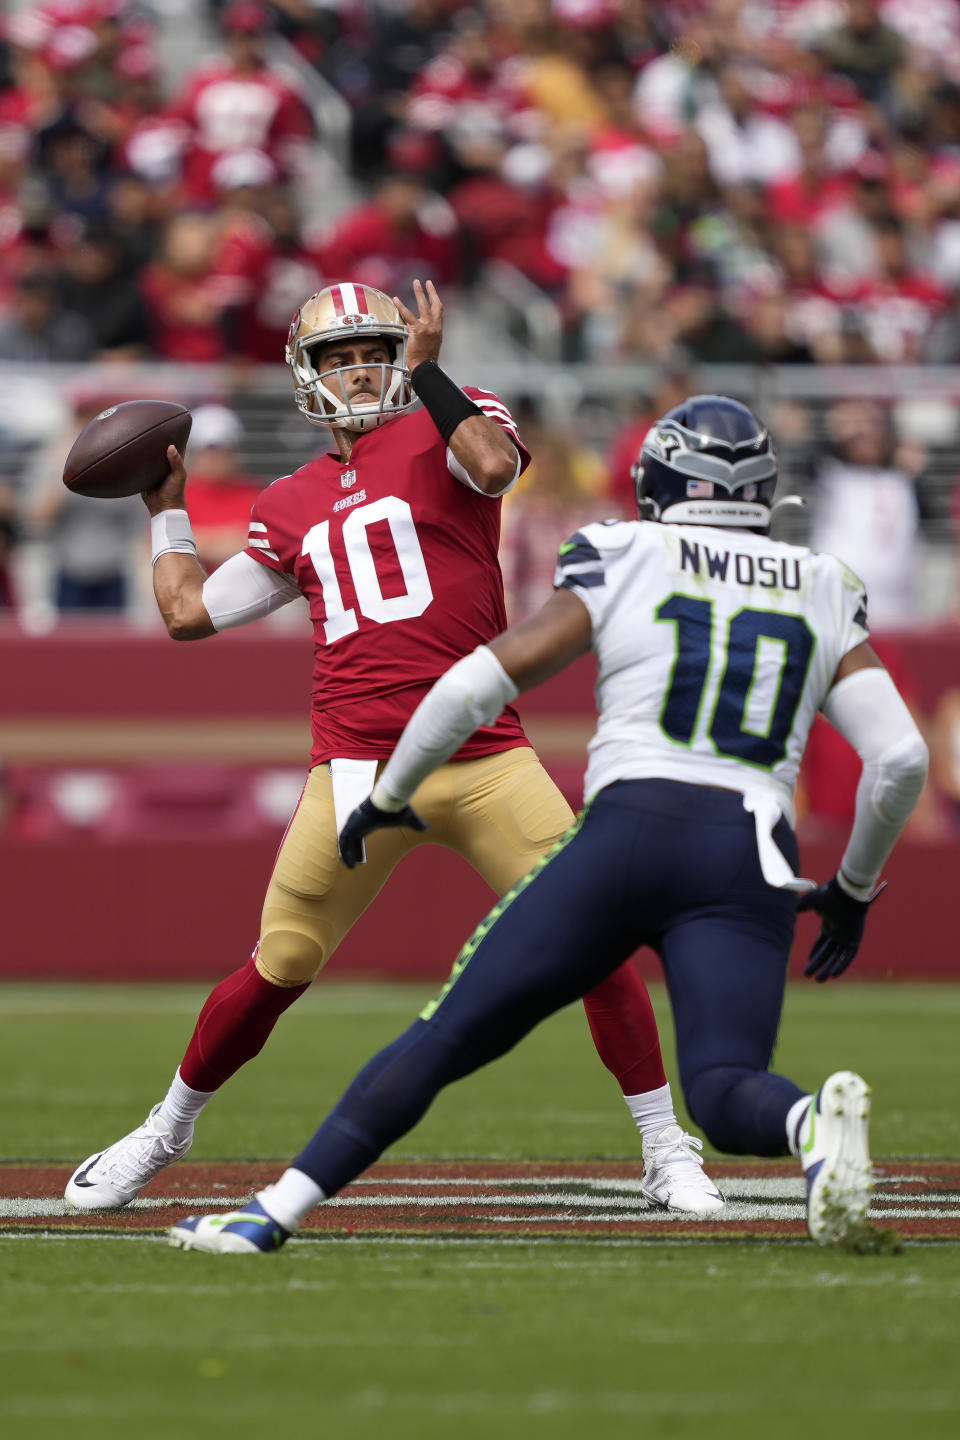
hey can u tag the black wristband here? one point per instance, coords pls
(442, 398)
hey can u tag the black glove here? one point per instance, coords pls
(363, 821)
(843, 921)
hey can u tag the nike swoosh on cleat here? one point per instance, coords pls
(805, 1149)
(81, 1177)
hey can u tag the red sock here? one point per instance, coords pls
(624, 1031)
(233, 1026)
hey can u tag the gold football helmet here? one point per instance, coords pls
(338, 312)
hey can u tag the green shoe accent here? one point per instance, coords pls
(812, 1112)
(221, 1220)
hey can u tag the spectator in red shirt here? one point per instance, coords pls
(220, 493)
(468, 100)
(240, 101)
(899, 305)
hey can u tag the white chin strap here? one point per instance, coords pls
(714, 512)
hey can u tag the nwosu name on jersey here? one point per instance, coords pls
(714, 652)
(771, 572)
(401, 576)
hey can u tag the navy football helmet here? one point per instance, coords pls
(708, 461)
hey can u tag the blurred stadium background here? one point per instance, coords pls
(621, 202)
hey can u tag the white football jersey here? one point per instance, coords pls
(715, 650)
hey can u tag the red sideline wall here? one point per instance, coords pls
(189, 909)
(182, 911)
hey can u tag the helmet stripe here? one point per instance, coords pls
(336, 295)
(361, 297)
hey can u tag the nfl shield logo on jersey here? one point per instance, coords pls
(348, 479)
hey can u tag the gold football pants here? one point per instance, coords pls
(500, 812)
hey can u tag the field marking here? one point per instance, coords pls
(477, 1199)
(784, 1201)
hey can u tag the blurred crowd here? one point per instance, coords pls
(684, 182)
(758, 180)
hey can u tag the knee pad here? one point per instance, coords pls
(289, 957)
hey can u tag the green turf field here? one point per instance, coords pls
(412, 1337)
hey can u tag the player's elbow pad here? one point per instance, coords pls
(900, 775)
(869, 711)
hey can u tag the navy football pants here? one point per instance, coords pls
(651, 862)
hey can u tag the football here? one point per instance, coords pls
(124, 450)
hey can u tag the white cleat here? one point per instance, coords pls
(673, 1175)
(835, 1155)
(112, 1178)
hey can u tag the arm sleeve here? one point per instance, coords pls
(869, 711)
(473, 692)
(242, 590)
(492, 406)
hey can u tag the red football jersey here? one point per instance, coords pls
(398, 561)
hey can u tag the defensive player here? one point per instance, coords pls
(716, 647)
(393, 541)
